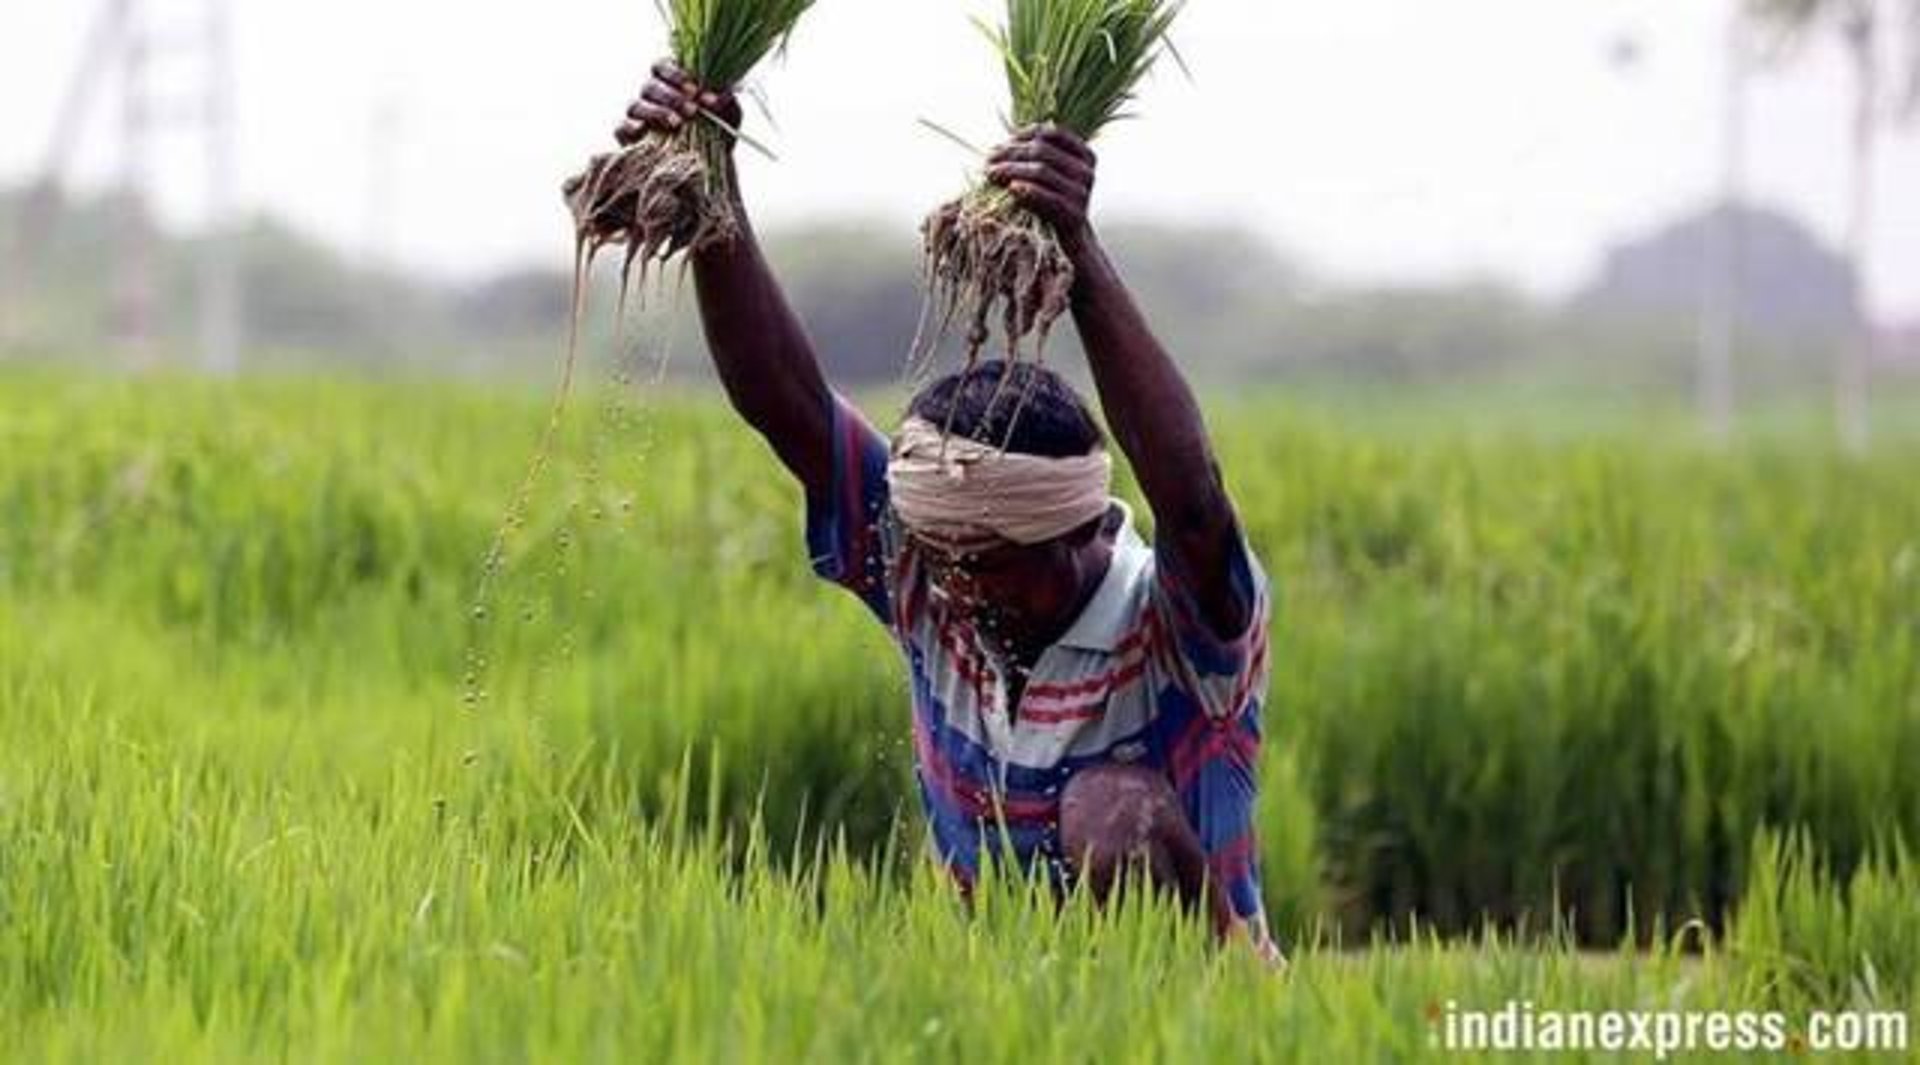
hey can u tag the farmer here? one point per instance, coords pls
(1089, 699)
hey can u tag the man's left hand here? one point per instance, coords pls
(1050, 171)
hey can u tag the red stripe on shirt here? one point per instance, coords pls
(970, 797)
(1232, 861)
(1243, 691)
(1205, 739)
(1143, 639)
(968, 663)
(1086, 710)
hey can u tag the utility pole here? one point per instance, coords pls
(122, 50)
(377, 218)
(1720, 277)
(220, 279)
(376, 245)
(36, 203)
(12, 263)
(1851, 392)
(133, 298)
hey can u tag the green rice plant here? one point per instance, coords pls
(243, 816)
(1805, 930)
(1511, 675)
(671, 193)
(1073, 63)
(190, 879)
(1076, 63)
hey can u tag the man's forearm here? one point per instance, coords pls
(1148, 404)
(1158, 424)
(764, 358)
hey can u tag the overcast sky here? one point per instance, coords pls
(1374, 140)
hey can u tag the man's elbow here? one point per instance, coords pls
(1201, 511)
(1205, 533)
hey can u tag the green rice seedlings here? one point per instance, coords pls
(670, 192)
(1073, 63)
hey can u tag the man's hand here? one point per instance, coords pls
(762, 354)
(1151, 410)
(667, 102)
(1049, 171)
(671, 99)
(1254, 935)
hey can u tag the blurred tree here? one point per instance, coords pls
(1862, 26)
(1410, 336)
(1234, 308)
(856, 285)
(517, 303)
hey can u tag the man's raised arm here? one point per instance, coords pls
(1148, 405)
(763, 354)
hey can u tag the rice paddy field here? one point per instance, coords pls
(1600, 719)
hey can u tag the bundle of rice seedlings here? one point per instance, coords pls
(665, 194)
(1074, 63)
(669, 192)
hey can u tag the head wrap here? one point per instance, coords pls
(963, 494)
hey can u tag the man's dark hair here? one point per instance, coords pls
(1024, 407)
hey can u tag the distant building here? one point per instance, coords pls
(1791, 284)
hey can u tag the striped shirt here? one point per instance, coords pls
(1138, 678)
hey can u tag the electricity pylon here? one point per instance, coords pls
(122, 49)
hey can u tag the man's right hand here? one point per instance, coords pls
(764, 358)
(670, 100)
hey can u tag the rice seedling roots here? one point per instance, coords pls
(659, 198)
(986, 256)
